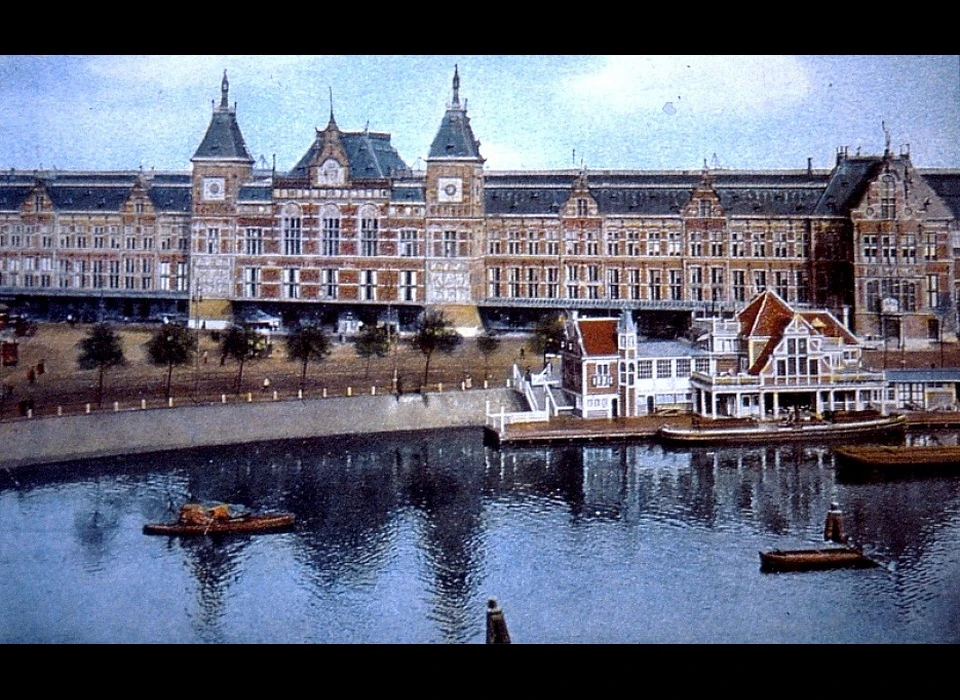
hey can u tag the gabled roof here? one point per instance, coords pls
(370, 155)
(847, 184)
(947, 187)
(598, 336)
(826, 324)
(455, 138)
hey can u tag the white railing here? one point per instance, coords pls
(499, 421)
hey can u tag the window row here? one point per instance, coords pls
(329, 286)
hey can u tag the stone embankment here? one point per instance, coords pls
(105, 433)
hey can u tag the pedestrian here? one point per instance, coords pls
(206, 355)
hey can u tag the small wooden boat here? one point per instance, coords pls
(220, 519)
(911, 456)
(778, 432)
(814, 559)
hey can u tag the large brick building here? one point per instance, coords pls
(352, 228)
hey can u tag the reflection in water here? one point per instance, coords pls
(400, 538)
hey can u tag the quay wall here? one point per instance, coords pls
(31, 441)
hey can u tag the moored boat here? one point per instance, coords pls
(776, 432)
(889, 461)
(814, 559)
(221, 519)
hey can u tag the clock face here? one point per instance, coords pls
(449, 189)
(213, 188)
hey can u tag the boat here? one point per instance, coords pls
(220, 519)
(814, 559)
(760, 431)
(897, 460)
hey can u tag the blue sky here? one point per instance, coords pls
(542, 111)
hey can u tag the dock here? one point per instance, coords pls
(568, 429)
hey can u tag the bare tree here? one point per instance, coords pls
(434, 333)
(100, 350)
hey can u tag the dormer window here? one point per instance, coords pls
(581, 207)
(703, 208)
(330, 173)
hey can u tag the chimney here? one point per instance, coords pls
(809, 166)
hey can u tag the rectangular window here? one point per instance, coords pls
(696, 283)
(368, 285)
(613, 283)
(292, 235)
(645, 369)
(408, 244)
(581, 207)
(253, 243)
(702, 365)
(99, 281)
(329, 283)
(408, 285)
(696, 244)
(129, 273)
(213, 241)
(664, 369)
(493, 282)
(676, 285)
(759, 281)
(449, 244)
(683, 368)
(933, 291)
(166, 282)
(330, 234)
(929, 246)
(251, 282)
(653, 243)
(182, 278)
(633, 281)
(654, 282)
(368, 237)
(291, 283)
(114, 274)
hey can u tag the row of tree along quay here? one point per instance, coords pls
(175, 348)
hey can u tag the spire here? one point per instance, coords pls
(224, 91)
(455, 138)
(332, 122)
(456, 84)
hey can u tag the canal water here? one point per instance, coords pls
(403, 538)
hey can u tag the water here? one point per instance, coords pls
(401, 539)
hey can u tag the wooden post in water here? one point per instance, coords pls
(833, 526)
(496, 624)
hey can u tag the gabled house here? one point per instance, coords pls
(772, 359)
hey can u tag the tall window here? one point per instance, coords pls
(368, 285)
(759, 281)
(676, 285)
(581, 207)
(165, 278)
(696, 283)
(493, 282)
(291, 283)
(888, 199)
(329, 283)
(251, 282)
(553, 282)
(870, 249)
(654, 281)
(408, 244)
(696, 244)
(254, 241)
(98, 274)
(408, 285)
(933, 291)
(716, 283)
(513, 276)
(929, 246)
(736, 244)
(633, 282)
(653, 243)
(113, 280)
(613, 283)
(213, 241)
(330, 232)
(368, 232)
(181, 279)
(292, 235)
(449, 244)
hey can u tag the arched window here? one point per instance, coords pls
(330, 230)
(368, 230)
(292, 230)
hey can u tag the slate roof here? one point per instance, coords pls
(947, 187)
(170, 199)
(667, 348)
(259, 192)
(790, 193)
(847, 185)
(223, 140)
(408, 192)
(370, 155)
(455, 138)
(12, 197)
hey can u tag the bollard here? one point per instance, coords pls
(439, 387)
(373, 391)
(116, 406)
(833, 527)
(249, 397)
(170, 402)
(223, 398)
(88, 408)
(299, 393)
(463, 386)
(274, 394)
(324, 392)
(59, 410)
(486, 384)
(349, 391)
(29, 413)
(497, 632)
(143, 404)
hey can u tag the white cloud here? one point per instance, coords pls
(727, 84)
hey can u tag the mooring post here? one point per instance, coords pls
(833, 526)
(497, 632)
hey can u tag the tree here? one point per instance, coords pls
(372, 340)
(100, 350)
(171, 345)
(434, 332)
(307, 342)
(241, 344)
(548, 336)
(487, 345)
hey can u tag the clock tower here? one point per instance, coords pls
(221, 165)
(455, 216)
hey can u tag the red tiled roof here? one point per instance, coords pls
(599, 335)
(828, 326)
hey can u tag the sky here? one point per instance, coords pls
(102, 112)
